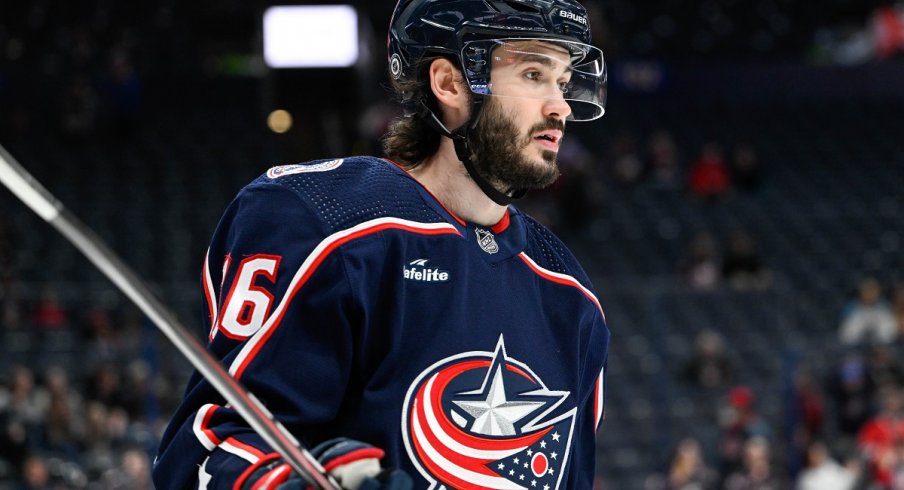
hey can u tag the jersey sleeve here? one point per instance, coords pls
(591, 410)
(280, 317)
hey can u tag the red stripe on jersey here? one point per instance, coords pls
(561, 279)
(313, 261)
(435, 468)
(240, 482)
(257, 453)
(443, 378)
(356, 455)
(599, 397)
(206, 436)
(273, 478)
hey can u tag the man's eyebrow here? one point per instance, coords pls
(541, 59)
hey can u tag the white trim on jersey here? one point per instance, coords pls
(600, 397)
(229, 445)
(310, 264)
(205, 436)
(562, 279)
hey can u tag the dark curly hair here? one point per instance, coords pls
(409, 139)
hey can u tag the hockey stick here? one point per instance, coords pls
(36, 197)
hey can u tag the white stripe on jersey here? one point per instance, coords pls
(320, 251)
(242, 453)
(548, 274)
(600, 396)
(205, 436)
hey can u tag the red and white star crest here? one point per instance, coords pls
(483, 420)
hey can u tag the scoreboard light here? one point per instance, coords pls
(310, 36)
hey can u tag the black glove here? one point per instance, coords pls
(353, 464)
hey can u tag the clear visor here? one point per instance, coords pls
(565, 72)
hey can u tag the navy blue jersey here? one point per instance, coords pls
(352, 303)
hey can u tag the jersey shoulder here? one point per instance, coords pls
(549, 252)
(344, 192)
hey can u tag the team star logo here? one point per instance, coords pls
(483, 420)
(496, 415)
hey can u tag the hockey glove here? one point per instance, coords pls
(353, 464)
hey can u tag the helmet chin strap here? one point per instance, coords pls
(460, 139)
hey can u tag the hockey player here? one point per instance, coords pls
(403, 310)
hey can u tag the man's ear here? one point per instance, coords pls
(447, 84)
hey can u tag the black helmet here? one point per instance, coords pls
(429, 27)
(422, 28)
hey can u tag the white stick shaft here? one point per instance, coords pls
(26, 188)
(36, 197)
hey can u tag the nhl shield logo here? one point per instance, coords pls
(483, 420)
(487, 241)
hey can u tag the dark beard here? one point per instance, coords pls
(496, 148)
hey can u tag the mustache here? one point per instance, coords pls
(549, 124)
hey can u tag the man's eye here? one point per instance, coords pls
(533, 75)
(564, 87)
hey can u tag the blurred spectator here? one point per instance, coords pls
(823, 472)
(852, 389)
(105, 386)
(689, 471)
(78, 108)
(869, 318)
(740, 422)
(898, 310)
(36, 474)
(26, 403)
(13, 435)
(756, 473)
(578, 193)
(710, 366)
(878, 437)
(11, 310)
(105, 342)
(709, 175)
(7, 249)
(137, 390)
(132, 473)
(123, 89)
(897, 479)
(884, 367)
(49, 313)
(806, 417)
(700, 267)
(742, 266)
(627, 167)
(63, 423)
(98, 445)
(746, 172)
(21, 416)
(663, 161)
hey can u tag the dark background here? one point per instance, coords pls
(146, 117)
